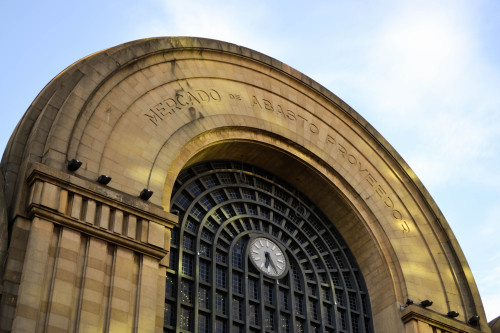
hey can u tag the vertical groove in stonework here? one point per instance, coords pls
(131, 229)
(140, 259)
(84, 209)
(69, 205)
(134, 288)
(84, 254)
(68, 272)
(12, 273)
(112, 267)
(124, 224)
(112, 214)
(50, 276)
(98, 215)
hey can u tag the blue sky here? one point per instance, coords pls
(425, 74)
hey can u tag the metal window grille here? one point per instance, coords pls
(230, 202)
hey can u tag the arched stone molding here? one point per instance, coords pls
(142, 111)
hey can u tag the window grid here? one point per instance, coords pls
(204, 249)
(296, 279)
(220, 326)
(268, 294)
(220, 277)
(203, 324)
(206, 202)
(253, 289)
(188, 242)
(249, 195)
(264, 185)
(282, 218)
(238, 255)
(226, 178)
(194, 189)
(237, 309)
(240, 209)
(237, 283)
(220, 256)
(185, 319)
(191, 225)
(209, 181)
(204, 271)
(269, 320)
(252, 313)
(169, 314)
(284, 302)
(187, 265)
(328, 315)
(197, 212)
(233, 194)
(220, 303)
(203, 298)
(183, 201)
(186, 291)
(284, 324)
(299, 305)
(353, 301)
(170, 285)
(313, 308)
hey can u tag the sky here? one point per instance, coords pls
(425, 74)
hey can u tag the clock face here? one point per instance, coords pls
(268, 257)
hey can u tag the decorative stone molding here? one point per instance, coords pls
(422, 320)
(99, 211)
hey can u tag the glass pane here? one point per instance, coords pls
(269, 319)
(186, 291)
(220, 303)
(185, 319)
(203, 298)
(203, 324)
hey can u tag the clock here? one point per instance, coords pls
(268, 257)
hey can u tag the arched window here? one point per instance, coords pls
(252, 254)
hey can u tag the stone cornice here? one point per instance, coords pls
(434, 319)
(99, 211)
(101, 193)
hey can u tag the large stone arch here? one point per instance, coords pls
(141, 112)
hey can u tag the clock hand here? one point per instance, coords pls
(267, 259)
(273, 266)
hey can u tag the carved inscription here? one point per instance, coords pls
(287, 114)
(186, 101)
(379, 190)
(183, 100)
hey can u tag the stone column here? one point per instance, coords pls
(34, 280)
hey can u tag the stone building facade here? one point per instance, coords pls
(237, 152)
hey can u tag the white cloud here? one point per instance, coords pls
(222, 20)
(426, 87)
(454, 147)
